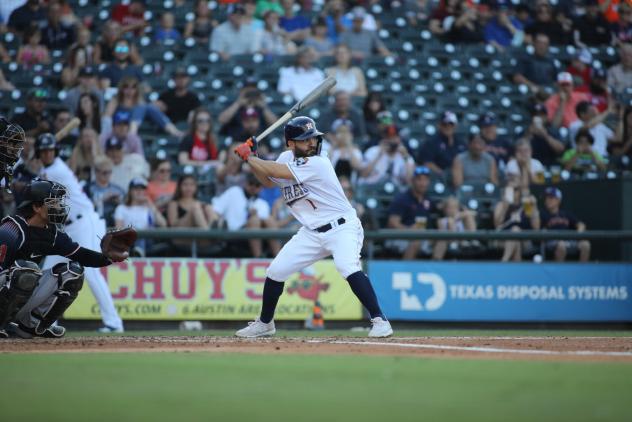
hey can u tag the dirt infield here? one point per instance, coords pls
(524, 348)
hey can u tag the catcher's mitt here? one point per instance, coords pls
(116, 243)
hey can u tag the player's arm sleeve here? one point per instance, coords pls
(10, 238)
(308, 169)
(89, 258)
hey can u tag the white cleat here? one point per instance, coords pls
(380, 328)
(257, 328)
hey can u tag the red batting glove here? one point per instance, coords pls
(244, 150)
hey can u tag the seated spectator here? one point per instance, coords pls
(130, 16)
(467, 26)
(84, 40)
(581, 71)
(65, 145)
(443, 16)
(318, 40)
(362, 43)
(125, 166)
(232, 37)
(300, 79)
(35, 119)
(120, 130)
(5, 57)
(438, 152)
(83, 158)
(343, 109)
(545, 140)
(185, 210)
(249, 97)
(5, 85)
(138, 212)
(455, 219)
(31, 52)
(560, 107)
(161, 188)
(388, 161)
(346, 158)
(121, 68)
(593, 121)
(30, 14)
(621, 29)
(249, 18)
(622, 141)
(583, 158)
(178, 103)
(55, 34)
(555, 218)
(104, 48)
(199, 147)
(88, 112)
(474, 166)
(202, 25)
(516, 211)
(503, 29)
(274, 40)
(558, 31)
(240, 207)
(77, 60)
(620, 75)
(336, 19)
(411, 210)
(349, 78)
(373, 106)
(538, 70)
(88, 84)
(591, 29)
(265, 5)
(166, 32)
(417, 11)
(104, 194)
(523, 169)
(230, 173)
(347, 188)
(296, 26)
(497, 146)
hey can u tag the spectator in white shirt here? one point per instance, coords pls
(232, 37)
(591, 119)
(388, 161)
(300, 79)
(524, 169)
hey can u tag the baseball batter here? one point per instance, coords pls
(84, 225)
(313, 193)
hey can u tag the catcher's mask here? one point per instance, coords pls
(53, 196)
(12, 139)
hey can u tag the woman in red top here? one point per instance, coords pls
(199, 148)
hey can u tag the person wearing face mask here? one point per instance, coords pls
(389, 160)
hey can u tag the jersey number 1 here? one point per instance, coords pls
(310, 203)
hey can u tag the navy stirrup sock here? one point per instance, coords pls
(361, 287)
(271, 292)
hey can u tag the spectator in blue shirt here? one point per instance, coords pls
(503, 29)
(121, 67)
(166, 31)
(337, 22)
(296, 26)
(438, 152)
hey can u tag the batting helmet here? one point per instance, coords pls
(51, 194)
(302, 128)
(44, 142)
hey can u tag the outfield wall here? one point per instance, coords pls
(230, 289)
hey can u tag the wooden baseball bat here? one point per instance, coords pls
(309, 99)
(64, 131)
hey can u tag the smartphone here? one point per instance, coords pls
(509, 195)
(538, 122)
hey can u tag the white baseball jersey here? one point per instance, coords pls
(78, 201)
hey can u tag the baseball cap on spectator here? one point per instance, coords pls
(87, 71)
(113, 143)
(341, 122)
(385, 117)
(121, 117)
(553, 191)
(422, 171)
(449, 117)
(180, 71)
(38, 93)
(235, 9)
(137, 182)
(487, 119)
(564, 78)
(249, 112)
(358, 12)
(585, 56)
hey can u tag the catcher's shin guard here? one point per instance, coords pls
(69, 281)
(20, 281)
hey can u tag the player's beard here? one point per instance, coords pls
(301, 154)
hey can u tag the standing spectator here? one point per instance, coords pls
(346, 158)
(32, 13)
(498, 147)
(104, 194)
(166, 32)
(88, 84)
(503, 29)
(388, 161)
(121, 68)
(361, 42)
(317, 39)
(296, 26)
(342, 108)
(545, 140)
(516, 211)
(199, 147)
(620, 75)
(120, 131)
(178, 103)
(202, 25)
(412, 210)
(555, 218)
(232, 37)
(524, 169)
(274, 40)
(31, 52)
(474, 166)
(593, 121)
(77, 60)
(88, 112)
(349, 78)
(300, 79)
(537, 70)
(56, 35)
(249, 97)
(558, 31)
(125, 166)
(161, 188)
(83, 158)
(456, 220)
(130, 16)
(35, 120)
(438, 152)
(583, 157)
(591, 29)
(373, 106)
(560, 107)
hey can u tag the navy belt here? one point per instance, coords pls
(327, 227)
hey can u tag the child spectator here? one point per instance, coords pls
(583, 158)
(454, 220)
(31, 52)
(167, 32)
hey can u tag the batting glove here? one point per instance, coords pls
(244, 150)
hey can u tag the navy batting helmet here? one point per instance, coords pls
(51, 194)
(302, 128)
(45, 141)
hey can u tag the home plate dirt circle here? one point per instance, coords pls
(523, 348)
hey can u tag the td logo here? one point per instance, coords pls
(409, 301)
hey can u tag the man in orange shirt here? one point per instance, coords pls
(560, 107)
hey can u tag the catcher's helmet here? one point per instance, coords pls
(302, 128)
(12, 140)
(45, 141)
(51, 194)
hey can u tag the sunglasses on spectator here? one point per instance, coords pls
(121, 49)
(422, 170)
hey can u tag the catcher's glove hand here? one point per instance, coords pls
(249, 147)
(117, 243)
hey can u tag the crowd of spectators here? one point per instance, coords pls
(578, 121)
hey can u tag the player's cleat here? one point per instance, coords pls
(257, 328)
(4, 334)
(380, 328)
(106, 329)
(22, 331)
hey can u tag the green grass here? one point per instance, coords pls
(241, 387)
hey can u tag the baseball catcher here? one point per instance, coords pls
(12, 140)
(31, 300)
